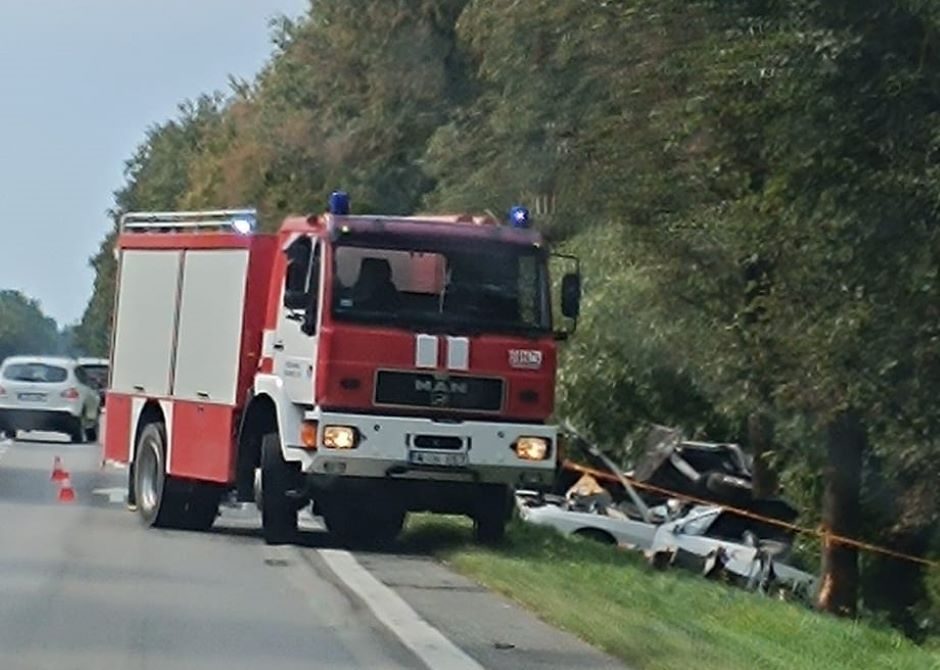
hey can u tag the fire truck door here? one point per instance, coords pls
(295, 342)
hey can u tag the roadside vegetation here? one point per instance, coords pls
(25, 329)
(753, 189)
(659, 620)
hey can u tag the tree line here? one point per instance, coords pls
(752, 186)
(26, 330)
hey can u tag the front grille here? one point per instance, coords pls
(453, 392)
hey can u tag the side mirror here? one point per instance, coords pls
(571, 295)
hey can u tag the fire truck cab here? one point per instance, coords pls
(370, 365)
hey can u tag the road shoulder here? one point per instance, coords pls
(495, 632)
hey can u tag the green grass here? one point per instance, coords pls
(658, 620)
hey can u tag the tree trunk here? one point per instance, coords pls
(760, 436)
(895, 586)
(841, 514)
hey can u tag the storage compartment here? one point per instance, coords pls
(144, 323)
(209, 340)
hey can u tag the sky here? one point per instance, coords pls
(80, 82)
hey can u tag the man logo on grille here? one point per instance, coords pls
(441, 390)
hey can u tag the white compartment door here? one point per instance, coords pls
(212, 307)
(144, 323)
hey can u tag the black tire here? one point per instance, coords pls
(492, 515)
(77, 431)
(278, 511)
(258, 492)
(727, 488)
(201, 507)
(157, 503)
(131, 489)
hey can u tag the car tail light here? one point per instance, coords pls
(70, 394)
(3, 391)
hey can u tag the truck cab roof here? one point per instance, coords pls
(464, 227)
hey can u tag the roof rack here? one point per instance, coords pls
(239, 220)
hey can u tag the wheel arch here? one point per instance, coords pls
(150, 412)
(595, 534)
(260, 417)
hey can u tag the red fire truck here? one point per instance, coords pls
(370, 365)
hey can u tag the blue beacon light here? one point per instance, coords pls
(519, 217)
(338, 203)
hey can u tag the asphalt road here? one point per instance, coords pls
(84, 586)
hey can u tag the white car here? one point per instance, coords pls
(39, 393)
(670, 532)
(95, 371)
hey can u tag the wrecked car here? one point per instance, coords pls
(709, 538)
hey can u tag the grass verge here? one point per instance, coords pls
(653, 620)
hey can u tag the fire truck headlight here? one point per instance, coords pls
(532, 448)
(340, 437)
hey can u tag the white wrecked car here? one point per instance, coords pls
(707, 538)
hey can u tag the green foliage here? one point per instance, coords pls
(658, 620)
(752, 186)
(24, 329)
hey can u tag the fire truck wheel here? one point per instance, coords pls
(259, 496)
(278, 512)
(489, 520)
(157, 502)
(202, 507)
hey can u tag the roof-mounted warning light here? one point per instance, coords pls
(241, 221)
(243, 225)
(519, 217)
(338, 203)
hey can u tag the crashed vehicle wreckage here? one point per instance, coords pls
(695, 525)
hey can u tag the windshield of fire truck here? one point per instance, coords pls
(473, 288)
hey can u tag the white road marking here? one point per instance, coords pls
(427, 643)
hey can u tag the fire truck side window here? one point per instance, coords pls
(297, 279)
(313, 292)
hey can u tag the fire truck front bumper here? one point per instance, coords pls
(356, 445)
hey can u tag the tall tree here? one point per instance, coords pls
(158, 177)
(24, 329)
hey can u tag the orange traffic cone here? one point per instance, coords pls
(66, 492)
(58, 472)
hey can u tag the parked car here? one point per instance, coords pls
(95, 372)
(48, 394)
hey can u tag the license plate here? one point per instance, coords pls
(437, 459)
(32, 397)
